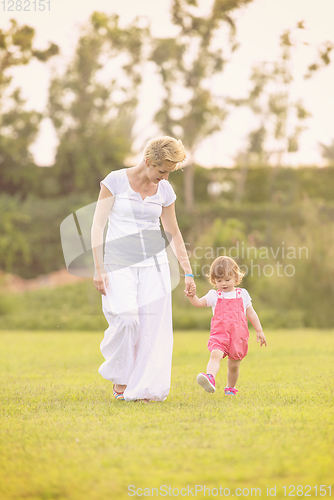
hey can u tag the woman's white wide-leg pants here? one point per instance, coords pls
(138, 343)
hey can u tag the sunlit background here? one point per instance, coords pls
(259, 26)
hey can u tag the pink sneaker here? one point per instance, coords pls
(230, 391)
(207, 381)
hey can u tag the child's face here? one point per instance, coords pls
(226, 283)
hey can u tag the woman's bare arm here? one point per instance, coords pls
(169, 222)
(103, 206)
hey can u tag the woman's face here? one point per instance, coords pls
(156, 174)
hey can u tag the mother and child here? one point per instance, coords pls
(133, 276)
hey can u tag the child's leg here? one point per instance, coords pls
(232, 371)
(214, 362)
(207, 381)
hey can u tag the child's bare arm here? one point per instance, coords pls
(197, 302)
(254, 319)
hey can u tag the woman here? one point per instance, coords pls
(134, 276)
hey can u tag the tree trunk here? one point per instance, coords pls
(241, 183)
(189, 175)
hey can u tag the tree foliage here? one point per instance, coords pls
(94, 119)
(18, 127)
(328, 152)
(280, 120)
(14, 246)
(190, 110)
(270, 100)
(322, 60)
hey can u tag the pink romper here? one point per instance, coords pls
(229, 327)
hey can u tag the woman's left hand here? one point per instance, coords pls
(190, 290)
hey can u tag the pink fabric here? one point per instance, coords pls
(229, 328)
(231, 390)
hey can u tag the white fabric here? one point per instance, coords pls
(212, 296)
(138, 343)
(130, 214)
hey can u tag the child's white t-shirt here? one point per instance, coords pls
(212, 296)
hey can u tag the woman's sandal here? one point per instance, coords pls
(118, 395)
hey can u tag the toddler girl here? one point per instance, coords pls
(229, 331)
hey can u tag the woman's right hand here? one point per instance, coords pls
(190, 284)
(101, 282)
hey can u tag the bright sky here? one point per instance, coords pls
(258, 26)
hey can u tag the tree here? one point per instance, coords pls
(18, 127)
(94, 120)
(323, 58)
(13, 243)
(186, 63)
(328, 152)
(280, 120)
(270, 101)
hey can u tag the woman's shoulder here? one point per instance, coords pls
(117, 173)
(166, 184)
(114, 180)
(167, 191)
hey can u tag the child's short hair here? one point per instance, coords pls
(224, 266)
(165, 150)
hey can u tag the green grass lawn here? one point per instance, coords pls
(62, 436)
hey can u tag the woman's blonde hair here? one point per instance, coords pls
(223, 267)
(165, 150)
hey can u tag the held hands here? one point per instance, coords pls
(190, 289)
(101, 282)
(260, 337)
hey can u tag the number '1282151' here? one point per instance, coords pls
(307, 491)
(25, 5)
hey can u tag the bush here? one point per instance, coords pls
(31, 246)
